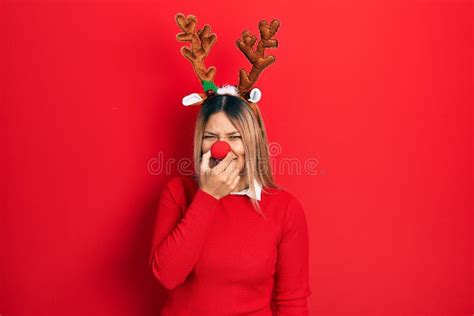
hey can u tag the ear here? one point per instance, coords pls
(255, 95)
(193, 99)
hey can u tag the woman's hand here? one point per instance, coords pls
(220, 180)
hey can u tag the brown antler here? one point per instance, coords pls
(257, 58)
(201, 44)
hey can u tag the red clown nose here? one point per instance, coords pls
(220, 149)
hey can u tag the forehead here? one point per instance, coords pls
(219, 123)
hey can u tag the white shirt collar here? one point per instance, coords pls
(258, 191)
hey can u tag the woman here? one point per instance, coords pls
(227, 240)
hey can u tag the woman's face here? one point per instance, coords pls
(219, 127)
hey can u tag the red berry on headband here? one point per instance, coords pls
(220, 149)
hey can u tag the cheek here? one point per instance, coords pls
(206, 145)
(238, 149)
(241, 163)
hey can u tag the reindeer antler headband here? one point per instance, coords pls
(201, 43)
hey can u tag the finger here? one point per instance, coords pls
(224, 163)
(229, 170)
(205, 162)
(233, 175)
(235, 182)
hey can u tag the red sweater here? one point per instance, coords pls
(220, 257)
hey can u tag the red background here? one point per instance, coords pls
(379, 92)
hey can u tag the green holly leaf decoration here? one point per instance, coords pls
(208, 85)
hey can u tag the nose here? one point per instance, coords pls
(220, 149)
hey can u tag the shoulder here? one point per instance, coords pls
(294, 207)
(292, 217)
(281, 197)
(182, 188)
(180, 181)
(288, 207)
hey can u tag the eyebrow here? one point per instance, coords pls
(234, 132)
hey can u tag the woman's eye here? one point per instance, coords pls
(230, 137)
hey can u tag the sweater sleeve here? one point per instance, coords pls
(291, 285)
(178, 239)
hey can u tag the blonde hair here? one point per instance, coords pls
(248, 121)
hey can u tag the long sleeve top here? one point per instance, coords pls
(221, 257)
